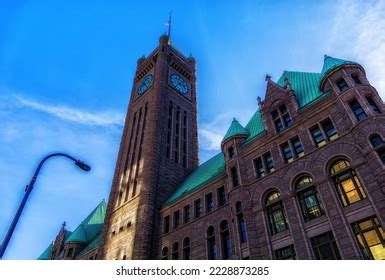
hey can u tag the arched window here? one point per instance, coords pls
(308, 198)
(275, 212)
(211, 245)
(225, 240)
(378, 145)
(164, 253)
(186, 248)
(241, 222)
(346, 182)
(175, 251)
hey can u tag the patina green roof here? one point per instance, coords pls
(92, 245)
(235, 129)
(331, 63)
(206, 172)
(305, 85)
(255, 126)
(90, 227)
(47, 253)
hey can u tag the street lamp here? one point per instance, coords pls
(28, 190)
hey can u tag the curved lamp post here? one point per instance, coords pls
(28, 190)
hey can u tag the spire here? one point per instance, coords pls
(235, 129)
(169, 25)
(331, 63)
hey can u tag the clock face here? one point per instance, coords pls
(147, 82)
(179, 84)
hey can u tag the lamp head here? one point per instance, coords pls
(82, 165)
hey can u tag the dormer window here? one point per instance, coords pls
(342, 85)
(281, 118)
(356, 80)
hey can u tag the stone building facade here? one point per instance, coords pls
(303, 179)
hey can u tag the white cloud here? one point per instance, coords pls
(358, 30)
(74, 114)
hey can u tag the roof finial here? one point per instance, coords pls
(287, 84)
(259, 101)
(267, 77)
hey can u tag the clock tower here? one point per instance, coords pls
(158, 150)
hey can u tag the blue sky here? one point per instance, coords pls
(66, 70)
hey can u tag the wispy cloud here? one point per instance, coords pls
(358, 31)
(76, 115)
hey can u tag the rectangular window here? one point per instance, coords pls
(324, 247)
(277, 121)
(356, 79)
(197, 208)
(209, 202)
(166, 224)
(221, 196)
(329, 129)
(287, 154)
(259, 169)
(176, 219)
(373, 105)
(285, 116)
(342, 85)
(298, 148)
(286, 253)
(358, 110)
(230, 152)
(269, 162)
(318, 136)
(186, 214)
(234, 177)
(371, 238)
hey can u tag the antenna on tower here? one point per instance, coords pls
(169, 25)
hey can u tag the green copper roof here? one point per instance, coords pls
(331, 63)
(255, 126)
(305, 85)
(46, 254)
(92, 245)
(90, 227)
(235, 129)
(206, 172)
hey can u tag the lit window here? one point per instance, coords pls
(318, 136)
(209, 202)
(342, 85)
(373, 105)
(175, 251)
(269, 162)
(298, 148)
(197, 208)
(275, 213)
(286, 253)
(186, 248)
(371, 238)
(346, 182)
(324, 247)
(308, 198)
(221, 196)
(211, 245)
(164, 254)
(357, 110)
(287, 154)
(186, 214)
(225, 240)
(241, 222)
(330, 131)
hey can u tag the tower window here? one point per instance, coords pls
(166, 224)
(234, 177)
(209, 202)
(356, 79)
(324, 247)
(231, 152)
(70, 252)
(287, 154)
(346, 182)
(275, 213)
(298, 148)
(308, 198)
(269, 162)
(186, 248)
(186, 214)
(211, 245)
(241, 222)
(373, 105)
(225, 240)
(371, 238)
(197, 208)
(329, 129)
(342, 85)
(176, 219)
(260, 170)
(357, 110)
(286, 253)
(221, 196)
